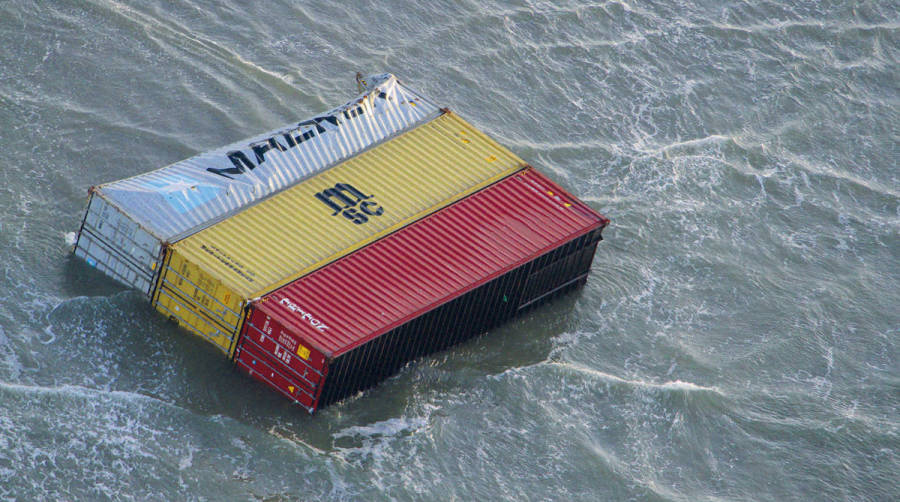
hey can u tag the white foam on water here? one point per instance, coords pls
(296, 441)
(392, 427)
(95, 436)
(80, 392)
(376, 441)
(188, 460)
(673, 385)
(9, 360)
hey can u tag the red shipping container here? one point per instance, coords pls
(448, 277)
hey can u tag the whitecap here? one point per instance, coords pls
(672, 385)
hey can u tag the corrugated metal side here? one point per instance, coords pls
(428, 263)
(438, 256)
(170, 203)
(213, 272)
(466, 316)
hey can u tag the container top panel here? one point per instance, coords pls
(348, 206)
(430, 262)
(179, 199)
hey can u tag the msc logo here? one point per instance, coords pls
(346, 200)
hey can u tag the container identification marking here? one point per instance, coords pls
(254, 155)
(282, 354)
(293, 307)
(228, 261)
(344, 198)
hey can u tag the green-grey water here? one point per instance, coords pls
(737, 339)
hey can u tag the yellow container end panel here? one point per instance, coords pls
(342, 209)
(186, 314)
(198, 301)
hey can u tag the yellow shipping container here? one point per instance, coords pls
(209, 277)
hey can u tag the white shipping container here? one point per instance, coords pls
(127, 222)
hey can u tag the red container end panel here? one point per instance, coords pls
(432, 284)
(273, 355)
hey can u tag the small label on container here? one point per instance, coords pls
(303, 352)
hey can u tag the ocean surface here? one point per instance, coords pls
(738, 338)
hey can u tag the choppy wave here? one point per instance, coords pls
(736, 340)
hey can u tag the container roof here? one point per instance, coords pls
(348, 206)
(176, 200)
(431, 262)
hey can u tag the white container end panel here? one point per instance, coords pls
(116, 245)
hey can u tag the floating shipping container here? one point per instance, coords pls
(208, 278)
(128, 222)
(437, 282)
